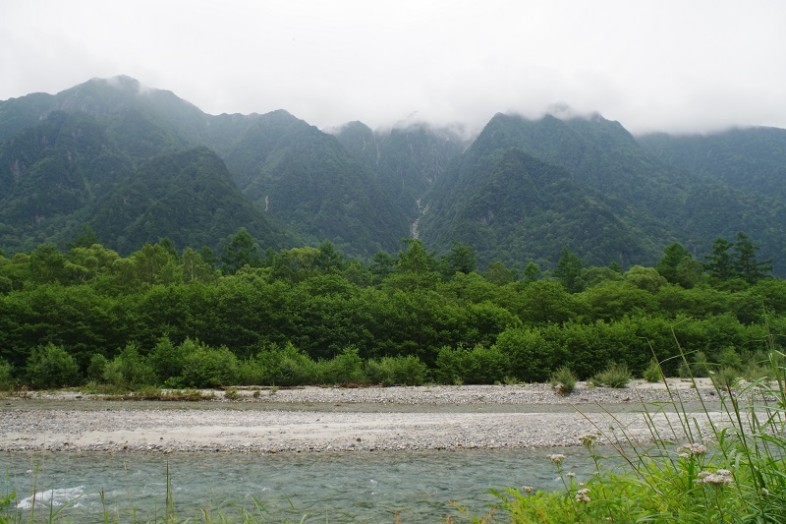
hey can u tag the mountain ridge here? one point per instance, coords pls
(580, 182)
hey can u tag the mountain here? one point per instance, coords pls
(51, 174)
(514, 207)
(306, 180)
(407, 160)
(751, 160)
(138, 163)
(187, 196)
(640, 201)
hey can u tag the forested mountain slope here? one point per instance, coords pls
(109, 153)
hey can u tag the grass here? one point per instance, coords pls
(563, 381)
(614, 376)
(733, 472)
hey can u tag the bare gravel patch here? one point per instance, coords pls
(340, 419)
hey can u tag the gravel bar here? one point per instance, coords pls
(349, 419)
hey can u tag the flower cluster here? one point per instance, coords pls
(582, 495)
(588, 439)
(720, 478)
(557, 458)
(692, 450)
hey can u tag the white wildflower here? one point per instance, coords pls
(720, 478)
(557, 458)
(692, 449)
(582, 495)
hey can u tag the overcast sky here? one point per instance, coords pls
(676, 66)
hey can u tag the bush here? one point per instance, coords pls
(51, 366)
(96, 367)
(725, 378)
(344, 368)
(7, 382)
(167, 359)
(480, 365)
(209, 367)
(397, 371)
(563, 381)
(280, 366)
(529, 354)
(132, 369)
(653, 373)
(614, 376)
(699, 366)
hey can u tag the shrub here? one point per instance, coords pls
(563, 381)
(7, 382)
(51, 366)
(729, 358)
(96, 367)
(480, 365)
(529, 354)
(653, 373)
(344, 368)
(725, 378)
(614, 376)
(280, 366)
(134, 370)
(209, 367)
(699, 366)
(392, 371)
(167, 359)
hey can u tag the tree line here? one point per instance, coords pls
(310, 315)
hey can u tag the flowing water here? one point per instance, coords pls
(369, 487)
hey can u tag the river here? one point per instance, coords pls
(370, 487)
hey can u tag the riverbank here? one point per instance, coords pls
(347, 419)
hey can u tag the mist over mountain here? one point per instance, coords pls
(139, 164)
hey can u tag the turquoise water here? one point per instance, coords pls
(353, 487)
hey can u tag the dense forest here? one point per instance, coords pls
(311, 315)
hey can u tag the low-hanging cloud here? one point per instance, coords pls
(652, 65)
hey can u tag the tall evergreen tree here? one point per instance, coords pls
(720, 263)
(569, 271)
(745, 264)
(242, 250)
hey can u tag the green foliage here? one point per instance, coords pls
(531, 357)
(479, 365)
(96, 367)
(205, 366)
(397, 371)
(7, 381)
(653, 374)
(242, 250)
(563, 381)
(345, 368)
(168, 360)
(129, 370)
(614, 376)
(51, 366)
(316, 300)
(280, 366)
(569, 271)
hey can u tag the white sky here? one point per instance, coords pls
(677, 66)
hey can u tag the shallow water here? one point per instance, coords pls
(352, 487)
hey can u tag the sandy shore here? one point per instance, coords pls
(335, 419)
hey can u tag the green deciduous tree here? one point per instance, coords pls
(51, 366)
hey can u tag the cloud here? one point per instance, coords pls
(652, 65)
